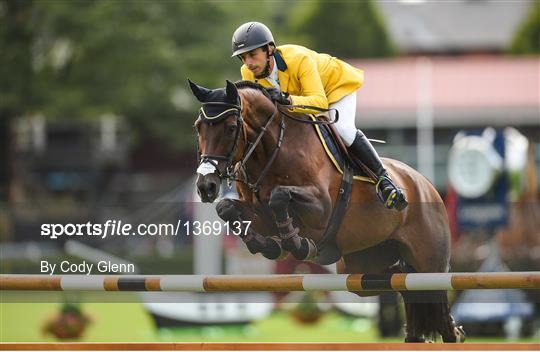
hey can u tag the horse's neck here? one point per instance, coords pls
(258, 111)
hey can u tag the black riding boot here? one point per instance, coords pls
(389, 194)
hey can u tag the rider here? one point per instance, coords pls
(296, 75)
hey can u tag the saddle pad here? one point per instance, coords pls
(334, 153)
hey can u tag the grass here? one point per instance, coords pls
(120, 322)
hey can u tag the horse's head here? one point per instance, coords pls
(218, 126)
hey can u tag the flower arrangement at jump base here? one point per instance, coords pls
(69, 324)
(307, 311)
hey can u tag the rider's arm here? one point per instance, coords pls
(312, 88)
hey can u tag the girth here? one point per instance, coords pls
(328, 252)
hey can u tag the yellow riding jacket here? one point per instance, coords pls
(311, 78)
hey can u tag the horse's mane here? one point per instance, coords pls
(262, 89)
(252, 85)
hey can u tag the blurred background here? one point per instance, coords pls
(96, 124)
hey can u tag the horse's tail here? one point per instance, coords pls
(428, 314)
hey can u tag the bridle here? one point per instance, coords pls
(231, 172)
(235, 109)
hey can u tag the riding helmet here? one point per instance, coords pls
(250, 36)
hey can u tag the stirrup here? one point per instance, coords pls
(395, 199)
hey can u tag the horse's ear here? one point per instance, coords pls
(200, 93)
(232, 92)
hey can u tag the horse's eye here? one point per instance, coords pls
(230, 129)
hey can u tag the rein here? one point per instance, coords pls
(254, 187)
(314, 108)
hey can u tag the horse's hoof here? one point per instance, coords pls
(284, 253)
(460, 334)
(226, 210)
(256, 243)
(272, 250)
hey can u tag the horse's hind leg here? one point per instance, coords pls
(425, 247)
(232, 210)
(428, 313)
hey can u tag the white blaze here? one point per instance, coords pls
(206, 168)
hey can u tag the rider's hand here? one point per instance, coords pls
(279, 96)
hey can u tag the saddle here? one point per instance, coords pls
(337, 152)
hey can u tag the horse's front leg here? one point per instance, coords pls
(232, 210)
(309, 206)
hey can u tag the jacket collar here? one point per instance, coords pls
(281, 65)
(282, 74)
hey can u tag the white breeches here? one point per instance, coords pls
(346, 126)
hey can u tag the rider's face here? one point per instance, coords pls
(255, 60)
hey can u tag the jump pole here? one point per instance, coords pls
(273, 283)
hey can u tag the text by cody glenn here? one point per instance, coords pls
(86, 268)
(121, 228)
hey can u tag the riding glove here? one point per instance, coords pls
(279, 96)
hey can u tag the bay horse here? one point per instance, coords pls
(288, 187)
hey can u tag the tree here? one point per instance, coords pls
(16, 36)
(81, 59)
(527, 38)
(349, 29)
(16, 84)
